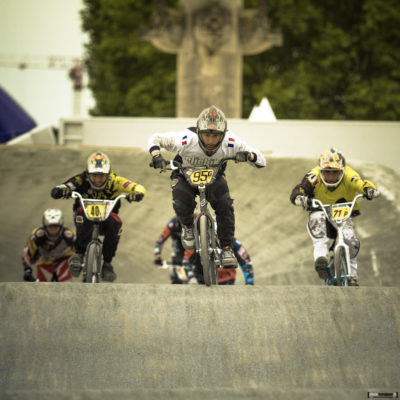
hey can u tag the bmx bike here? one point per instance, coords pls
(97, 211)
(205, 232)
(339, 255)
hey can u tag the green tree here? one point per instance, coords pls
(128, 77)
(339, 60)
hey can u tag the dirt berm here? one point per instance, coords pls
(147, 341)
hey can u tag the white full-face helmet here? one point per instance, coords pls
(211, 120)
(332, 160)
(98, 163)
(54, 217)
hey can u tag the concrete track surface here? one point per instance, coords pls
(144, 341)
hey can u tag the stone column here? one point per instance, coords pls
(210, 38)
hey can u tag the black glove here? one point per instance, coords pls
(135, 197)
(28, 277)
(243, 156)
(159, 161)
(157, 260)
(61, 191)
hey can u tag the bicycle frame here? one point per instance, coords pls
(207, 245)
(97, 211)
(337, 215)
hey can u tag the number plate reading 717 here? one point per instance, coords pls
(201, 176)
(96, 210)
(340, 212)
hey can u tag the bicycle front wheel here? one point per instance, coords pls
(341, 267)
(207, 261)
(93, 263)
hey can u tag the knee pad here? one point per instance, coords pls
(354, 247)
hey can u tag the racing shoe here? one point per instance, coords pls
(353, 281)
(75, 264)
(187, 237)
(107, 273)
(321, 266)
(228, 257)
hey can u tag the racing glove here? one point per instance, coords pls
(61, 191)
(28, 277)
(158, 159)
(302, 201)
(243, 156)
(133, 196)
(371, 193)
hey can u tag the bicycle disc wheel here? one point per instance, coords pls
(92, 263)
(207, 261)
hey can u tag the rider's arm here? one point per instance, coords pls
(65, 189)
(170, 141)
(354, 180)
(123, 185)
(30, 254)
(305, 187)
(256, 159)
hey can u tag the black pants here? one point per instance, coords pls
(110, 228)
(217, 194)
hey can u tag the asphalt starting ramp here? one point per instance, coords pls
(109, 341)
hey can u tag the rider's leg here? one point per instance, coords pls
(318, 233)
(84, 229)
(222, 203)
(112, 228)
(62, 271)
(44, 271)
(354, 246)
(184, 203)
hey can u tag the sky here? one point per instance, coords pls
(32, 31)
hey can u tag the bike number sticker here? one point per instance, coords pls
(340, 212)
(201, 176)
(95, 210)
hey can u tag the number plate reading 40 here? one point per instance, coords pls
(201, 176)
(340, 212)
(96, 210)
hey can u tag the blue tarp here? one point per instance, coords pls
(14, 120)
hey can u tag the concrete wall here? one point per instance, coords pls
(375, 142)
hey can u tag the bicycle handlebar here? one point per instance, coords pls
(174, 164)
(318, 205)
(77, 195)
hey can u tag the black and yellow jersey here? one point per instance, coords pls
(115, 186)
(40, 247)
(349, 187)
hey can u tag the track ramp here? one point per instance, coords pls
(148, 341)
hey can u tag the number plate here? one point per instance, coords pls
(340, 212)
(96, 210)
(201, 176)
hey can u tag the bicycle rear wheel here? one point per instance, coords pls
(207, 260)
(93, 263)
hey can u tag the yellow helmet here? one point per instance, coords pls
(331, 160)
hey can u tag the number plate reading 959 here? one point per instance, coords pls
(340, 212)
(96, 210)
(201, 176)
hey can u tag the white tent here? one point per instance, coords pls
(263, 112)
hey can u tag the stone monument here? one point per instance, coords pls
(210, 38)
